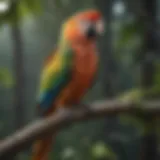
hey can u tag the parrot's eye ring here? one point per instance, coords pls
(90, 28)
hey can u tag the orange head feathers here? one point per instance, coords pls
(84, 25)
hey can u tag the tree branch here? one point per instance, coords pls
(24, 137)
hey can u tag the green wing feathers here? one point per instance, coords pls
(55, 76)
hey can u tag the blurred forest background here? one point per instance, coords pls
(130, 69)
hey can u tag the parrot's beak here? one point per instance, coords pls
(100, 27)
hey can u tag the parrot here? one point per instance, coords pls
(69, 71)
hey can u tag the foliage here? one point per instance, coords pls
(130, 32)
(101, 151)
(20, 9)
(6, 79)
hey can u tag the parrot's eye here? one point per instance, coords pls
(88, 29)
(91, 29)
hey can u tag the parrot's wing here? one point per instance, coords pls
(55, 76)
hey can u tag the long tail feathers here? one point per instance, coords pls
(41, 148)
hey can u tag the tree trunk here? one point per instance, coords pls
(19, 75)
(106, 49)
(16, 37)
(149, 141)
(108, 66)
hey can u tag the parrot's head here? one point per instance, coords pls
(86, 25)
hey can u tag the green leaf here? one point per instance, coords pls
(101, 150)
(6, 78)
(34, 6)
(131, 95)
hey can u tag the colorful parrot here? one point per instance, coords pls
(70, 71)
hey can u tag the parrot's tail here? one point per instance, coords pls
(41, 148)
